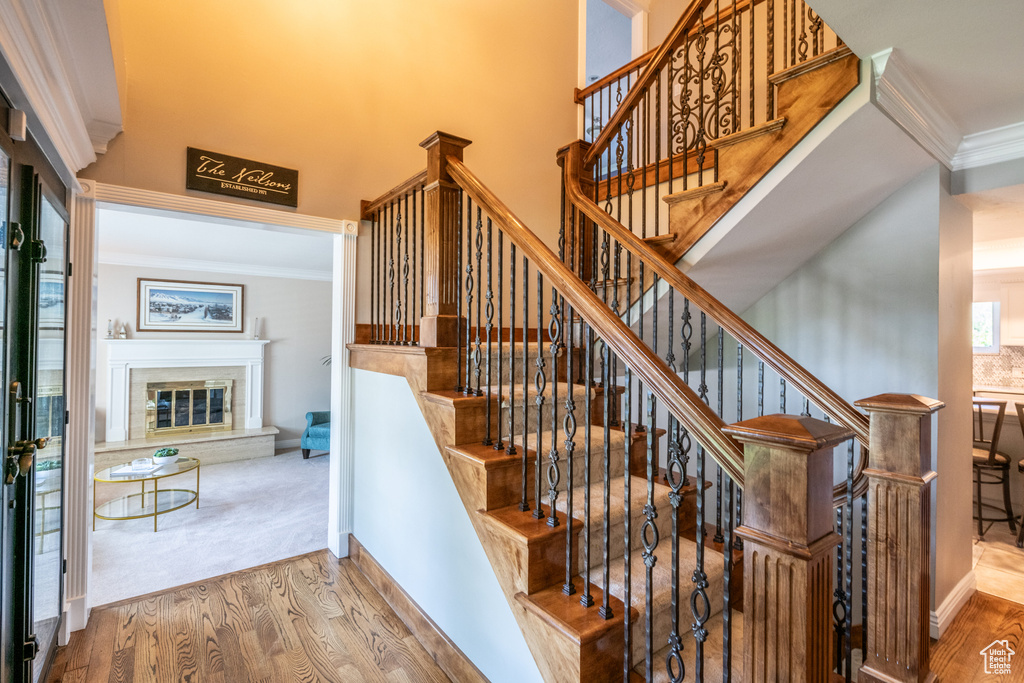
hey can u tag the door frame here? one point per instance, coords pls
(81, 364)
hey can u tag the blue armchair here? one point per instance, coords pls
(318, 432)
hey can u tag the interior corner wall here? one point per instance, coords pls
(409, 517)
(295, 315)
(869, 315)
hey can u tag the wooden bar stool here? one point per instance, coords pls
(990, 466)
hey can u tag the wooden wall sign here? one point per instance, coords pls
(227, 175)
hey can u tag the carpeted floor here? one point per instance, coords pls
(250, 513)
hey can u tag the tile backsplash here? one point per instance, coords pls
(996, 369)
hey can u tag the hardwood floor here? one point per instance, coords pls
(984, 619)
(308, 618)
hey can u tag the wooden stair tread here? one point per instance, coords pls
(486, 456)
(580, 624)
(514, 523)
(450, 397)
(695, 193)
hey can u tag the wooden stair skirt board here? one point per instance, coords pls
(440, 647)
(804, 98)
(209, 447)
(568, 642)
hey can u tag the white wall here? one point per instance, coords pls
(408, 515)
(879, 311)
(295, 315)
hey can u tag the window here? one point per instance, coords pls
(985, 326)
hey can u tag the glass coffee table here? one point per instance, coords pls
(151, 503)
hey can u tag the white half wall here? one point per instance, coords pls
(408, 515)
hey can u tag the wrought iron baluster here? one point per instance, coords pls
(782, 395)
(627, 542)
(499, 444)
(468, 390)
(587, 599)
(511, 448)
(719, 538)
(848, 564)
(396, 285)
(414, 337)
(737, 543)
(374, 225)
(423, 249)
(864, 569)
(752, 39)
(389, 302)
(406, 333)
(760, 387)
(477, 351)
(675, 473)
(555, 339)
(839, 604)
(685, 334)
(489, 312)
(770, 63)
(606, 610)
(458, 298)
(569, 429)
(726, 581)
(700, 606)
(539, 386)
(649, 535)
(524, 504)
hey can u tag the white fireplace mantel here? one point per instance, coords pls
(123, 355)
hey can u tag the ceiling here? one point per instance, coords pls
(164, 239)
(968, 56)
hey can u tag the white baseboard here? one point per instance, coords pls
(339, 544)
(944, 614)
(287, 444)
(77, 615)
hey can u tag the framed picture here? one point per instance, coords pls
(181, 306)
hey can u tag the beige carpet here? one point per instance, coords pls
(250, 512)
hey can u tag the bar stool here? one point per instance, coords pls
(1020, 468)
(990, 466)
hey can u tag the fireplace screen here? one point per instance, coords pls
(187, 407)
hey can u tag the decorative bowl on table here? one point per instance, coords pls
(165, 455)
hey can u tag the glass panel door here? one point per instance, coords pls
(49, 416)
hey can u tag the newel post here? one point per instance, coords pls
(789, 543)
(899, 541)
(439, 324)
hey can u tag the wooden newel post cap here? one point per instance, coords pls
(900, 403)
(439, 147)
(788, 470)
(797, 432)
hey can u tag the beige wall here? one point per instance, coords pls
(295, 315)
(345, 91)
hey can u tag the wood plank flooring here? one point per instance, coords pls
(985, 618)
(310, 618)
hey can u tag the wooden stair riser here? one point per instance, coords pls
(489, 485)
(531, 554)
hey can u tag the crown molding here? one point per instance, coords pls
(901, 96)
(169, 262)
(990, 147)
(208, 208)
(60, 100)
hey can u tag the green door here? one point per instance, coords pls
(35, 281)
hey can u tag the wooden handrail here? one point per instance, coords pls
(809, 385)
(692, 14)
(675, 394)
(638, 63)
(415, 181)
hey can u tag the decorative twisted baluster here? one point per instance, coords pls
(587, 599)
(726, 581)
(700, 606)
(569, 429)
(489, 308)
(840, 605)
(539, 385)
(686, 333)
(649, 536)
(404, 322)
(477, 350)
(524, 504)
(499, 444)
(511, 448)
(468, 390)
(555, 339)
(606, 609)
(396, 322)
(719, 538)
(627, 555)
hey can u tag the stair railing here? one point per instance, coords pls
(594, 345)
(657, 124)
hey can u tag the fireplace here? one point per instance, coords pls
(229, 372)
(188, 407)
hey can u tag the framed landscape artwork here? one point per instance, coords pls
(180, 306)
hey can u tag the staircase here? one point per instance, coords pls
(639, 527)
